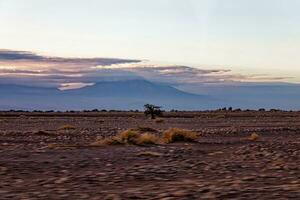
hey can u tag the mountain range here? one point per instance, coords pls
(133, 94)
(127, 94)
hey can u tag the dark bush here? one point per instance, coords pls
(152, 110)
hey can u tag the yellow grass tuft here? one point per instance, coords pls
(67, 127)
(139, 136)
(253, 137)
(147, 138)
(131, 137)
(179, 135)
(128, 137)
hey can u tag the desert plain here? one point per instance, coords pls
(50, 156)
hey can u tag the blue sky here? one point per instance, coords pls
(247, 36)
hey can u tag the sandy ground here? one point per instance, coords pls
(39, 161)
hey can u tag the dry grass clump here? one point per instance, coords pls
(147, 138)
(52, 146)
(253, 137)
(129, 137)
(179, 135)
(125, 137)
(67, 127)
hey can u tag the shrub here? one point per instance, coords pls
(128, 137)
(147, 138)
(143, 136)
(67, 127)
(253, 137)
(179, 135)
(131, 136)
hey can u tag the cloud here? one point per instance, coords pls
(19, 55)
(28, 63)
(189, 75)
(27, 68)
(18, 71)
(9, 55)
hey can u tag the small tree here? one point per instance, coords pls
(152, 110)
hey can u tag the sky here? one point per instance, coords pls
(259, 37)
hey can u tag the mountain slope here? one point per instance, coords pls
(252, 96)
(129, 94)
(130, 88)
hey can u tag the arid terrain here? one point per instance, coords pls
(41, 160)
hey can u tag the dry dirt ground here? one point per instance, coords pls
(39, 161)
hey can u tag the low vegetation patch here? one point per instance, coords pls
(147, 136)
(253, 137)
(52, 146)
(67, 127)
(179, 135)
(129, 137)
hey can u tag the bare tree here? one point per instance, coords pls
(152, 110)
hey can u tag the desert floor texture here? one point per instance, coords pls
(41, 160)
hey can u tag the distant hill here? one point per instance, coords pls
(127, 94)
(252, 95)
(133, 94)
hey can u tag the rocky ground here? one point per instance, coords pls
(40, 160)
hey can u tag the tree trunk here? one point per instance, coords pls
(152, 116)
